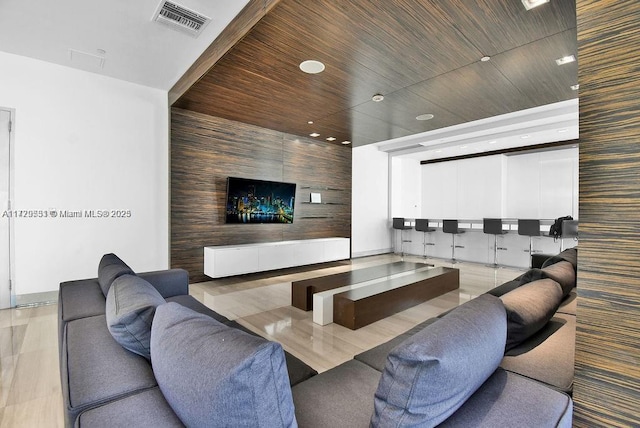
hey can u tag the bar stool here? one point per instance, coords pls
(493, 226)
(569, 230)
(399, 224)
(451, 226)
(530, 228)
(422, 225)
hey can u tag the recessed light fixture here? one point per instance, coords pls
(524, 137)
(331, 138)
(427, 116)
(377, 98)
(530, 4)
(575, 87)
(565, 60)
(492, 142)
(563, 130)
(485, 58)
(310, 122)
(311, 66)
(464, 147)
(438, 151)
(314, 134)
(346, 142)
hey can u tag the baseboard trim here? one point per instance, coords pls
(371, 253)
(36, 299)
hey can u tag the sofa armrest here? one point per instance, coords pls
(171, 282)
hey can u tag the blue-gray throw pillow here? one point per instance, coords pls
(529, 308)
(215, 375)
(130, 307)
(110, 268)
(431, 375)
(562, 273)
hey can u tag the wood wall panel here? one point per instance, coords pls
(607, 382)
(205, 150)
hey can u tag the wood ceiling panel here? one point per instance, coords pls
(422, 55)
(474, 92)
(532, 68)
(402, 107)
(495, 26)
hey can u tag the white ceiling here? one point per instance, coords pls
(136, 49)
(545, 124)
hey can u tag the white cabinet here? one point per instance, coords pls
(230, 260)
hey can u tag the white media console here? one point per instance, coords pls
(227, 260)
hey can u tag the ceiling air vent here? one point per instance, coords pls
(180, 18)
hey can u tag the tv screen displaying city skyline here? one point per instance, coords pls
(259, 201)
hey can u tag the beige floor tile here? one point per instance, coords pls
(42, 412)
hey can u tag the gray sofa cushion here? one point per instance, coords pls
(110, 268)
(529, 307)
(210, 373)
(144, 409)
(96, 368)
(509, 400)
(131, 304)
(340, 397)
(547, 356)
(429, 376)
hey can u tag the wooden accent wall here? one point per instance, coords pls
(205, 150)
(607, 382)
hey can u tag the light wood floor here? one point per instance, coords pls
(30, 392)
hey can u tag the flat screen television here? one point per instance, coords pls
(259, 201)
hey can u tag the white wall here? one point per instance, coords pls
(85, 142)
(406, 187)
(464, 189)
(370, 227)
(532, 185)
(542, 185)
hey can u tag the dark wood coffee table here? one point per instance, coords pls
(362, 306)
(302, 291)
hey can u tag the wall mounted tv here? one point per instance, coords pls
(259, 201)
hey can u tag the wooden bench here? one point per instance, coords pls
(362, 306)
(302, 291)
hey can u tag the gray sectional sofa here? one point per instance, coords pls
(137, 350)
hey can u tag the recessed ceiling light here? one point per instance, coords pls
(427, 116)
(346, 142)
(331, 138)
(492, 142)
(463, 147)
(310, 122)
(314, 134)
(530, 4)
(377, 98)
(565, 60)
(560, 131)
(438, 151)
(312, 66)
(575, 87)
(485, 58)
(524, 137)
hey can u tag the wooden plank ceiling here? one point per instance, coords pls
(423, 56)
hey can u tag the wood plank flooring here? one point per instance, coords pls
(30, 392)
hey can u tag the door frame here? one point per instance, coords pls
(12, 119)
